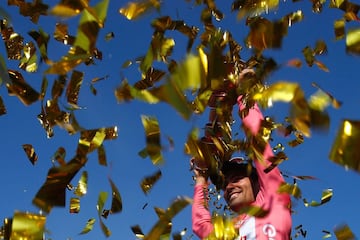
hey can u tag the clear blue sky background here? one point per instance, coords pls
(21, 180)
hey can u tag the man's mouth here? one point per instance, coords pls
(234, 194)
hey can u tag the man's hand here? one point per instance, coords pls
(244, 74)
(200, 171)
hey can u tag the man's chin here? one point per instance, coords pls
(236, 206)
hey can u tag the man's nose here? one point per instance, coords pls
(229, 186)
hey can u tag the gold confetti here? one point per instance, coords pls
(73, 88)
(74, 205)
(93, 139)
(294, 63)
(19, 87)
(100, 207)
(344, 148)
(2, 107)
(223, 227)
(148, 182)
(327, 234)
(30, 152)
(27, 226)
(102, 155)
(28, 61)
(81, 188)
(61, 34)
(326, 197)
(339, 29)
(253, 8)
(291, 189)
(344, 232)
(59, 156)
(13, 41)
(68, 9)
(116, 203)
(152, 76)
(153, 144)
(288, 92)
(134, 10)
(137, 231)
(163, 223)
(31, 9)
(52, 192)
(353, 41)
(4, 76)
(89, 226)
(266, 34)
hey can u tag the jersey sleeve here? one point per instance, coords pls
(269, 182)
(201, 217)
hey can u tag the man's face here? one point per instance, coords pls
(238, 191)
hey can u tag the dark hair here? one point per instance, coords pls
(243, 168)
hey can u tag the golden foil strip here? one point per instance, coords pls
(344, 150)
(74, 205)
(116, 202)
(2, 106)
(148, 182)
(153, 144)
(27, 226)
(164, 222)
(134, 10)
(81, 188)
(30, 152)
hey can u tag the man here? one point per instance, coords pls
(245, 188)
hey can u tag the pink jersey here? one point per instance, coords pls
(276, 224)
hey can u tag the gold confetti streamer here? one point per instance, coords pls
(89, 226)
(2, 105)
(27, 226)
(21, 89)
(52, 192)
(353, 41)
(13, 41)
(81, 188)
(28, 61)
(327, 234)
(148, 182)
(67, 9)
(163, 223)
(253, 8)
(102, 155)
(291, 189)
(74, 205)
(153, 144)
(116, 203)
(135, 10)
(93, 139)
(326, 197)
(344, 232)
(288, 92)
(30, 152)
(223, 227)
(344, 148)
(31, 9)
(137, 231)
(61, 34)
(100, 206)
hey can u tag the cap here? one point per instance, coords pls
(238, 165)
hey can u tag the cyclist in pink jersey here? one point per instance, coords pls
(243, 189)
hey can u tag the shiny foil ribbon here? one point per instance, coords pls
(345, 148)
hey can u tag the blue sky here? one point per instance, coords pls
(126, 168)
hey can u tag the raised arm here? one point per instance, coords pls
(269, 182)
(201, 217)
